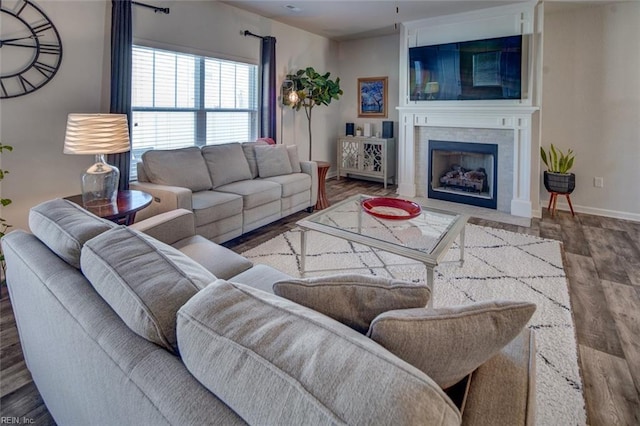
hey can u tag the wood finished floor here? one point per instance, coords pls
(602, 262)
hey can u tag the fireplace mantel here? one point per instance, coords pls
(522, 120)
(473, 108)
(519, 116)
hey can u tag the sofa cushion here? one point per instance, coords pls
(449, 343)
(294, 159)
(273, 160)
(250, 155)
(292, 184)
(261, 277)
(143, 280)
(64, 227)
(255, 192)
(212, 206)
(226, 163)
(219, 260)
(502, 391)
(184, 167)
(291, 365)
(353, 299)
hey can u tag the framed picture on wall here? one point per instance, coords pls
(372, 97)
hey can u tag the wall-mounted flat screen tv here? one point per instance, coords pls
(468, 70)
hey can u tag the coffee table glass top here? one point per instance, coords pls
(425, 237)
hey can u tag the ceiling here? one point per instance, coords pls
(355, 19)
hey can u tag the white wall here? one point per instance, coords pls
(591, 101)
(34, 124)
(370, 57)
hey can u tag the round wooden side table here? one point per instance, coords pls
(323, 168)
(128, 203)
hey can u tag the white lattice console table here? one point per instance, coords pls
(369, 157)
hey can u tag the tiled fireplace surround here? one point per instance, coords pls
(511, 127)
(502, 138)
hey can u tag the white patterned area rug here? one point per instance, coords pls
(498, 265)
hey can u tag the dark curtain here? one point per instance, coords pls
(121, 65)
(268, 110)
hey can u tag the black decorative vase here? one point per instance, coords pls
(562, 183)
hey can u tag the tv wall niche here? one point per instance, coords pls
(482, 69)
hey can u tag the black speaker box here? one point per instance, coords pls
(349, 131)
(387, 129)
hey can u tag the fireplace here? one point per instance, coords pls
(463, 172)
(511, 128)
(512, 124)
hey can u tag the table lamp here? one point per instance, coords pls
(98, 134)
(431, 88)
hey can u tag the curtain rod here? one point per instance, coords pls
(249, 33)
(156, 9)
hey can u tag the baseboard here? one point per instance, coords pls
(562, 205)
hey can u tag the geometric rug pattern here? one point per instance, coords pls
(498, 265)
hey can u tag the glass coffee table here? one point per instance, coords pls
(425, 238)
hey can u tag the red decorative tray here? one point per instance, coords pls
(391, 208)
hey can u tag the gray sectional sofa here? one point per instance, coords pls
(154, 324)
(231, 188)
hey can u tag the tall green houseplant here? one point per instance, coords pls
(313, 89)
(3, 223)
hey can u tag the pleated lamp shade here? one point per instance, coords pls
(96, 134)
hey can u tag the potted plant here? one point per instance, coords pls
(4, 226)
(359, 131)
(313, 89)
(557, 177)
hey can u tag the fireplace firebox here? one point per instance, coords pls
(463, 172)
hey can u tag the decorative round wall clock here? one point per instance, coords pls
(30, 47)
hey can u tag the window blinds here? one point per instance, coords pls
(181, 100)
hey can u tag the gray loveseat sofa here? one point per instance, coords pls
(118, 327)
(231, 188)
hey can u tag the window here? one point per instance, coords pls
(181, 100)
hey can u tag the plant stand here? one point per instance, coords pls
(554, 199)
(559, 184)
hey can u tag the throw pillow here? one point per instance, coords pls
(226, 163)
(354, 300)
(64, 227)
(269, 141)
(294, 159)
(291, 365)
(250, 155)
(449, 343)
(183, 167)
(143, 280)
(272, 160)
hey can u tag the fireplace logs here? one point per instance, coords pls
(465, 179)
